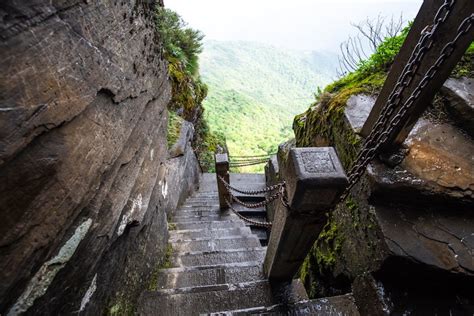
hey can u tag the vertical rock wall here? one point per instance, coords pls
(83, 93)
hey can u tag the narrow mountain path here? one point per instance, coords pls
(217, 262)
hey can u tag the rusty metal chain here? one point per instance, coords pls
(248, 220)
(251, 192)
(258, 204)
(424, 44)
(281, 193)
(380, 137)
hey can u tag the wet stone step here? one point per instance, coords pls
(198, 210)
(206, 233)
(342, 305)
(205, 218)
(208, 224)
(216, 244)
(201, 258)
(199, 203)
(213, 298)
(208, 275)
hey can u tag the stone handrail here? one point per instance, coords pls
(314, 181)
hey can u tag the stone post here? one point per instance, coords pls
(222, 169)
(314, 180)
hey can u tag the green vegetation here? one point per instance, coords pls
(465, 68)
(174, 125)
(254, 92)
(181, 48)
(122, 308)
(323, 123)
(165, 263)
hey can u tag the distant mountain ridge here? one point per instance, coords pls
(255, 90)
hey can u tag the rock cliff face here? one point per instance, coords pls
(83, 151)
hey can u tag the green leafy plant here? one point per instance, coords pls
(182, 46)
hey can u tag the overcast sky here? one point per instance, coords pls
(295, 24)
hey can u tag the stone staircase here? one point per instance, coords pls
(217, 266)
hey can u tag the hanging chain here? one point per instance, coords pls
(385, 125)
(259, 204)
(248, 220)
(251, 192)
(281, 193)
(424, 44)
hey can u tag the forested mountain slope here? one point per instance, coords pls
(255, 90)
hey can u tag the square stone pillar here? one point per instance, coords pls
(314, 180)
(222, 169)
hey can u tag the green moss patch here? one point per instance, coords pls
(165, 263)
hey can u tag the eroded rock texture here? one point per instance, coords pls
(402, 241)
(83, 135)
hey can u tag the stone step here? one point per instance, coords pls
(208, 224)
(190, 208)
(195, 201)
(213, 298)
(211, 244)
(261, 234)
(197, 212)
(203, 233)
(208, 275)
(205, 218)
(342, 305)
(202, 258)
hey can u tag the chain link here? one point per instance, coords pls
(281, 193)
(259, 204)
(245, 219)
(251, 192)
(386, 124)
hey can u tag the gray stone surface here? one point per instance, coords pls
(200, 258)
(357, 110)
(208, 225)
(439, 167)
(314, 179)
(342, 305)
(84, 90)
(201, 233)
(217, 244)
(205, 299)
(459, 94)
(440, 240)
(215, 265)
(186, 134)
(209, 275)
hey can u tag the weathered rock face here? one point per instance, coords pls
(404, 236)
(83, 135)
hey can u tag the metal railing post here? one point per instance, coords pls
(314, 180)
(222, 169)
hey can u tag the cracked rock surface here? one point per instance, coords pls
(83, 99)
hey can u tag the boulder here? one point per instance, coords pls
(459, 95)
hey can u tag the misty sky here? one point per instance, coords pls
(294, 24)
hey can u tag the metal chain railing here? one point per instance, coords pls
(386, 124)
(244, 161)
(248, 220)
(279, 194)
(252, 192)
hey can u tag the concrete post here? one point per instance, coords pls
(222, 169)
(314, 180)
